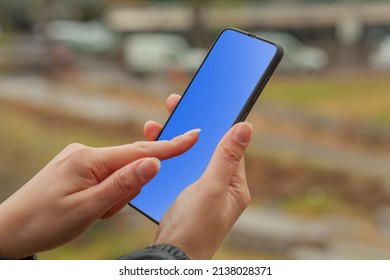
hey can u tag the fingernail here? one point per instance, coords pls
(148, 168)
(243, 132)
(192, 132)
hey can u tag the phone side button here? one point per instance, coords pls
(254, 99)
(244, 117)
(263, 84)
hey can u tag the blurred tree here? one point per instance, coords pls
(87, 9)
(198, 27)
(16, 14)
(21, 15)
(108, 2)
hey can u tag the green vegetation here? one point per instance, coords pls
(315, 202)
(350, 97)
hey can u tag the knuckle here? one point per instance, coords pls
(121, 183)
(246, 199)
(141, 148)
(172, 148)
(231, 155)
(77, 150)
(242, 198)
(74, 146)
(74, 153)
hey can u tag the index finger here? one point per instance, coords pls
(110, 159)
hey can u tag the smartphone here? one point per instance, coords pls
(222, 92)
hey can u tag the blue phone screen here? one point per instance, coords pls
(212, 102)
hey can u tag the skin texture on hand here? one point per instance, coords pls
(202, 215)
(80, 185)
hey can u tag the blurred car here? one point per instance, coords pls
(380, 58)
(154, 53)
(297, 56)
(84, 37)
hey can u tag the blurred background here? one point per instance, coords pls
(93, 71)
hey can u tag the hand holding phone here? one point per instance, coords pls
(222, 93)
(202, 215)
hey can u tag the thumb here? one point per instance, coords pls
(227, 156)
(125, 182)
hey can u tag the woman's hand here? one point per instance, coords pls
(202, 215)
(79, 186)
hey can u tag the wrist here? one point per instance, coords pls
(10, 248)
